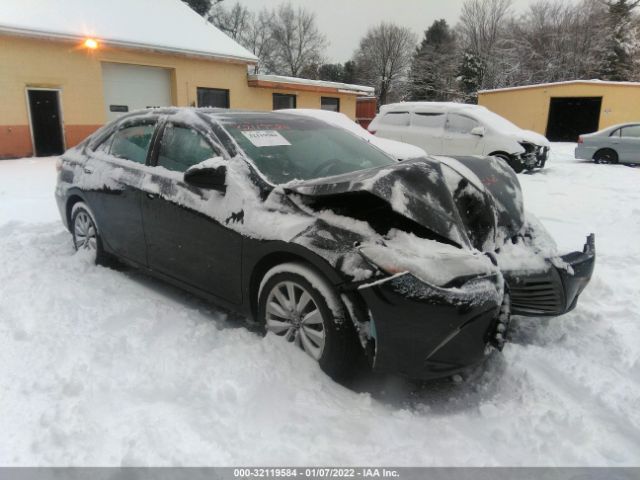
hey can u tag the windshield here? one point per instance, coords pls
(285, 148)
(494, 120)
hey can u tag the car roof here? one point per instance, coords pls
(432, 106)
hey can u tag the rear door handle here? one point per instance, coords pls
(152, 196)
(88, 170)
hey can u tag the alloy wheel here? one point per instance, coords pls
(85, 234)
(292, 313)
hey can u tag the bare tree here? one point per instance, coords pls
(258, 39)
(234, 21)
(383, 60)
(481, 29)
(297, 43)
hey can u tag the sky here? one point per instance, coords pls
(344, 22)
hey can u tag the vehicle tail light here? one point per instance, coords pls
(372, 132)
(580, 140)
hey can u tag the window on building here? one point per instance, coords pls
(183, 147)
(632, 131)
(213, 97)
(460, 124)
(282, 100)
(400, 119)
(132, 142)
(330, 103)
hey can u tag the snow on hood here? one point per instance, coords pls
(532, 137)
(415, 189)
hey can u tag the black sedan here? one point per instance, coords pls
(317, 236)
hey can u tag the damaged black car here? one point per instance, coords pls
(319, 237)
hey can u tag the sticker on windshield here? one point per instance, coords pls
(266, 138)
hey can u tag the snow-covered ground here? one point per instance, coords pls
(107, 367)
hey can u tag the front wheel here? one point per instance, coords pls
(514, 162)
(84, 229)
(296, 303)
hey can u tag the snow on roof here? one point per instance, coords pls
(164, 25)
(568, 82)
(346, 87)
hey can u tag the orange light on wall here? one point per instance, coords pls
(91, 43)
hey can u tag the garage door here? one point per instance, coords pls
(131, 87)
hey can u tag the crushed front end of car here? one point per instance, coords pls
(439, 255)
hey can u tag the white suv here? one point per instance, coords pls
(461, 129)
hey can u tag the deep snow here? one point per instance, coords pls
(108, 367)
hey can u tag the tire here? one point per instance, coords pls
(605, 156)
(316, 321)
(85, 232)
(514, 163)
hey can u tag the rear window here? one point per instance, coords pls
(286, 149)
(400, 119)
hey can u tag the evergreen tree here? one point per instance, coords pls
(433, 68)
(349, 73)
(623, 41)
(470, 75)
(333, 72)
(201, 7)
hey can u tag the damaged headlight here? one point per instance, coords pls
(445, 266)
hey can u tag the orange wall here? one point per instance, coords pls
(30, 62)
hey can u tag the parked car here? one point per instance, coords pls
(399, 150)
(443, 128)
(617, 144)
(319, 237)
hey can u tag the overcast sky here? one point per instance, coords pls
(344, 22)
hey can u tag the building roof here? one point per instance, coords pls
(162, 25)
(293, 83)
(568, 82)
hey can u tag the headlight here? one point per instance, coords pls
(437, 265)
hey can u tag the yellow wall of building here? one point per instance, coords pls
(77, 72)
(529, 107)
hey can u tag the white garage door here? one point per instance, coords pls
(131, 87)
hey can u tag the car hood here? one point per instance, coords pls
(532, 137)
(416, 190)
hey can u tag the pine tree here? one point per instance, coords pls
(201, 7)
(470, 75)
(623, 42)
(433, 67)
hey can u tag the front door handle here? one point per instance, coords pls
(152, 196)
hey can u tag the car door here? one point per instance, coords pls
(183, 242)
(629, 147)
(426, 131)
(458, 139)
(112, 180)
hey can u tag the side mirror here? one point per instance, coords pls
(210, 174)
(478, 131)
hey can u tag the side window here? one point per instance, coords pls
(132, 143)
(104, 145)
(460, 124)
(615, 133)
(630, 132)
(183, 147)
(427, 120)
(399, 119)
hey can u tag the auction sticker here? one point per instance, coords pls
(265, 138)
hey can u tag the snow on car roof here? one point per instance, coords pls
(438, 106)
(164, 25)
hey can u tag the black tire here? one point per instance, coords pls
(515, 163)
(605, 156)
(339, 355)
(83, 220)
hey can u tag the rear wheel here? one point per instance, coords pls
(605, 156)
(85, 232)
(296, 303)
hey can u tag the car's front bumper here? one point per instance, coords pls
(425, 332)
(556, 290)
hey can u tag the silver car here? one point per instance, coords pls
(617, 144)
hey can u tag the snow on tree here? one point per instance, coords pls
(434, 65)
(623, 46)
(383, 60)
